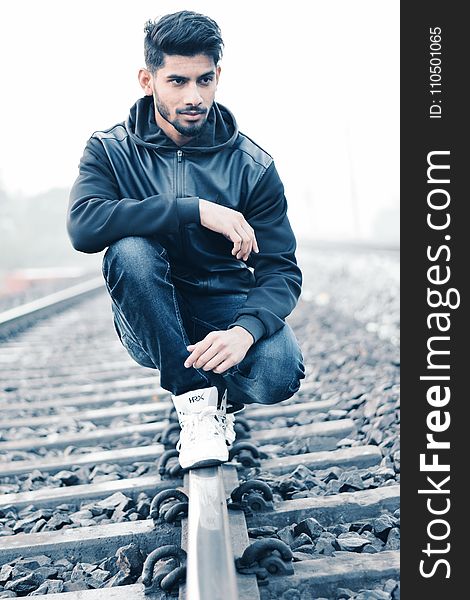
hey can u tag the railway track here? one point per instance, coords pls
(93, 504)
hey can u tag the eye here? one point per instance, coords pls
(177, 82)
(206, 80)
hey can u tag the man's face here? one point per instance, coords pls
(183, 91)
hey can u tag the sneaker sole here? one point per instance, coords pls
(209, 462)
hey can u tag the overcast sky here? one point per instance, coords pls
(315, 83)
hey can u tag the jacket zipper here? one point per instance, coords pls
(179, 174)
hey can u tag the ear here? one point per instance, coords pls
(146, 81)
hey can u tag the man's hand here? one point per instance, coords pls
(231, 224)
(220, 350)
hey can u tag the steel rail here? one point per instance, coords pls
(210, 564)
(23, 315)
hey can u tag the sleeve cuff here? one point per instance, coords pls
(252, 324)
(188, 210)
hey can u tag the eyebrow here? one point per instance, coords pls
(174, 76)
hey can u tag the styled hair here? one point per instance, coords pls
(185, 33)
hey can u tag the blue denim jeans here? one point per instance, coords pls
(155, 322)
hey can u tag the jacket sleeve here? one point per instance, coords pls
(278, 279)
(97, 214)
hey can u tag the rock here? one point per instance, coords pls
(333, 487)
(38, 526)
(50, 586)
(65, 507)
(302, 540)
(338, 529)
(310, 526)
(344, 443)
(396, 460)
(267, 531)
(351, 542)
(80, 516)
(97, 578)
(47, 572)
(324, 544)
(116, 500)
(327, 475)
(390, 585)
(374, 541)
(63, 562)
(66, 477)
(57, 521)
(351, 482)
(334, 414)
(22, 524)
(383, 474)
(74, 586)
(382, 525)
(25, 584)
(143, 507)
(110, 565)
(387, 420)
(81, 571)
(130, 561)
(344, 593)
(7, 594)
(120, 578)
(5, 573)
(289, 486)
(371, 406)
(95, 509)
(287, 535)
(360, 526)
(393, 540)
(374, 436)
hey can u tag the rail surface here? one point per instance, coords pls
(20, 316)
(93, 504)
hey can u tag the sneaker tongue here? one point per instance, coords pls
(195, 401)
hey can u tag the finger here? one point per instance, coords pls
(255, 243)
(245, 242)
(229, 362)
(199, 349)
(205, 357)
(237, 241)
(218, 359)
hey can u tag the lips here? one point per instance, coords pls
(192, 115)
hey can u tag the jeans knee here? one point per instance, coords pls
(284, 381)
(135, 256)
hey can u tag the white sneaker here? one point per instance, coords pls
(202, 439)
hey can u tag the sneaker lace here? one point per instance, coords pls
(193, 423)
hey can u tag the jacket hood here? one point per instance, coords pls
(219, 131)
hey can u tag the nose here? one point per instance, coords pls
(193, 97)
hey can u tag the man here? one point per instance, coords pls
(200, 263)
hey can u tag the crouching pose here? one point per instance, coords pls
(200, 261)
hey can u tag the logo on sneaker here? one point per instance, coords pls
(196, 398)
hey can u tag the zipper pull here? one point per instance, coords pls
(179, 153)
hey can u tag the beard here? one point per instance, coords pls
(190, 130)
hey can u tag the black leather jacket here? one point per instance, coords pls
(134, 180)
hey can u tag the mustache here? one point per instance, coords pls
(199, 111)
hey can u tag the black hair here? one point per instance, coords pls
(185, 33)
